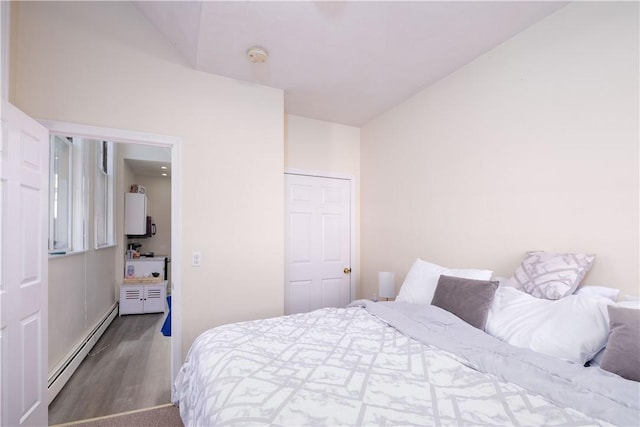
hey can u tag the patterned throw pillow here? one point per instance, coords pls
(551, 276)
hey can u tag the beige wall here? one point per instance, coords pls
(101, 63)
(322, 146)
(82, 287)
(124, 178)
(319, 146)
(532, 146)
(159, 197)
(67, 302)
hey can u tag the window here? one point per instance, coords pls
(66, 198)
(69, 184)
(104, 206)
(60, 194)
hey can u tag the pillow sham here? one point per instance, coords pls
(602, 291)
(502, 281)
(629, 301)
(597, 359)
(420, 282)
(469, 299)
(549, 275)
(622, 354)
(574, 328)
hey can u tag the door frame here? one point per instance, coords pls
(353, 277)
(175, 144)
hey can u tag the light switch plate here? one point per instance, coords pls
(196, 259)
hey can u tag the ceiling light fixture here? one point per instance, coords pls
(163, 167)
(164, 174)
(257, 55)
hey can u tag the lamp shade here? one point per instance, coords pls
(386, 284)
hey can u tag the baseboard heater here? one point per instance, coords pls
(59, 376)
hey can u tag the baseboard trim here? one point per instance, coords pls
(119, 414)
(59, 376)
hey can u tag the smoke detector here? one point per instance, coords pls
(257, 55)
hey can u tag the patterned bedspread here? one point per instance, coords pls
(351, 367)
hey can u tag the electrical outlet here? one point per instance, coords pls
(196, 259)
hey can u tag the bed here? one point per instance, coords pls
(395, 363)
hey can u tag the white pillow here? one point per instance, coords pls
(603, 291)
(420, 283)
(629, 303)
(597, 359)
(573, 328)
(502, 281)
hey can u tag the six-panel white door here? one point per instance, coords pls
(317, 243)
(24, 165)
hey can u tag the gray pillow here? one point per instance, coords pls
(468, 299)
(622, 354)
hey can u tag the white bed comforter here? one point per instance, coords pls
(351, 367)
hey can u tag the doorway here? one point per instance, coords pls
(318, 242)
(135, 140)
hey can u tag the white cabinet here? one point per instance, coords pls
(143, 298)
(135, 214)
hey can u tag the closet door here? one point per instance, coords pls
(317, 243)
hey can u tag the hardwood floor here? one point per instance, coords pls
(127, 369)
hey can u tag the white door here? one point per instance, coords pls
(24, 165)
(154, 298)
(131, 299)
(317, 243)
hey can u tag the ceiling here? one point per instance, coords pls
(343, 62)
(149, 168)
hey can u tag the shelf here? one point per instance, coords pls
(142, 280)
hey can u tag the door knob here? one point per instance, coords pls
(347, 270)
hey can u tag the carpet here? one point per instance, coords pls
(163, 415)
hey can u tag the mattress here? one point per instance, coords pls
(387, 364)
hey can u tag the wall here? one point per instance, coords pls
(81, 286)
(159, 197)
(322, 146)
(124, 177)
(102, 64)
(319, 146)
(532, 146)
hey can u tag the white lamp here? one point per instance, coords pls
(386, 284)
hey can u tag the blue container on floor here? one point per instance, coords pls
(166, 327)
